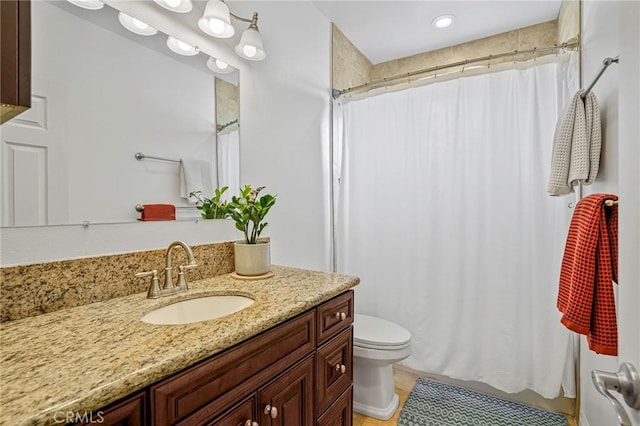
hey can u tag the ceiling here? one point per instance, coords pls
(387, 30)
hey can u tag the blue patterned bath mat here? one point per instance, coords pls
(433, 403)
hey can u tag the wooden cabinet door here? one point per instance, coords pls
(15, 68)
(130, 412)
(340, 413)
(243, 414)
(288, 400)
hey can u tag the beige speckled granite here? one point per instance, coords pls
(47, 287)
(83, 358)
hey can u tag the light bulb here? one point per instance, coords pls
(443, 21)
(249, 50)
(221, 65)
(183, 46)
(139, 24)
(173, 3)
(216, 25)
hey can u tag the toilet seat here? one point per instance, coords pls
(379, 334)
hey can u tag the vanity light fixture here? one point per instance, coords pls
(250, 46)
(218, 66)
(180, 47)
(443, 21)
(88, 4)
(136, 26)
(180, 6)
(216, 22)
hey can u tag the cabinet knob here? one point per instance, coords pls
(272, 411)
(251, 423)
(341, 316)
(341, 368)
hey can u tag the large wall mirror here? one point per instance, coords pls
(100, 95)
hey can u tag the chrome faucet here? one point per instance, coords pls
(169, 287)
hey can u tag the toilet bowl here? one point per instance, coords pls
(377, 343)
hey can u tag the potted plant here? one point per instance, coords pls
(214, 207)
(252, 256)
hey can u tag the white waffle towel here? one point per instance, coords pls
(576, 146)
(195, 175)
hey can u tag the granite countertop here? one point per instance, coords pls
(83, 358)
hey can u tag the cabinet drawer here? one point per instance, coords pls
(335, 315)
(239, 415)
(340, 413)
(218, 383)
(334, 369)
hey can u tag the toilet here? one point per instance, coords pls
(377, 343)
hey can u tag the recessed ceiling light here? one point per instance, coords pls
(443, 21)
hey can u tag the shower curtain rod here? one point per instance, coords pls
(221, 127)
(605, 64)
(336, 93)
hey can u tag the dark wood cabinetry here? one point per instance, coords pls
(341, 411)
(285, 376)
(129, 412)
(15, 67)
(288, 400)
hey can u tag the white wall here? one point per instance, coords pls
(24, 246)
(284, 111)
(603, 36)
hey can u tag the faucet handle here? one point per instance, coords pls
(153, 273)
(154, 289)
(189, 266)
(182, 281)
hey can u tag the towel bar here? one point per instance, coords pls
(140, 156)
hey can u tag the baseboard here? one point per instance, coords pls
(583, 420)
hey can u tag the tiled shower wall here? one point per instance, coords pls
(351, 68)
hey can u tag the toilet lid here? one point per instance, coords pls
(371, 331)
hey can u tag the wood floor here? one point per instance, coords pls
(404, 382)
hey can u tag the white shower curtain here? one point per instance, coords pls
(229, 161)
(442, 211)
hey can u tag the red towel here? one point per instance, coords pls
(158, 212)
(589, 267)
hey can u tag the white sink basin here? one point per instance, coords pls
(195, 310)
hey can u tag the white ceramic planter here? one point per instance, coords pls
(252, 259)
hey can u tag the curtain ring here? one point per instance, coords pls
(515, 57)
(570, 205)
(489, 66)
(463, 66)
(535, 54)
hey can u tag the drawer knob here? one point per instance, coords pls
(251, 423)
(272, 411)
(341, 316)
(341, 368)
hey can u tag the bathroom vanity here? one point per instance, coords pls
(285, 360)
